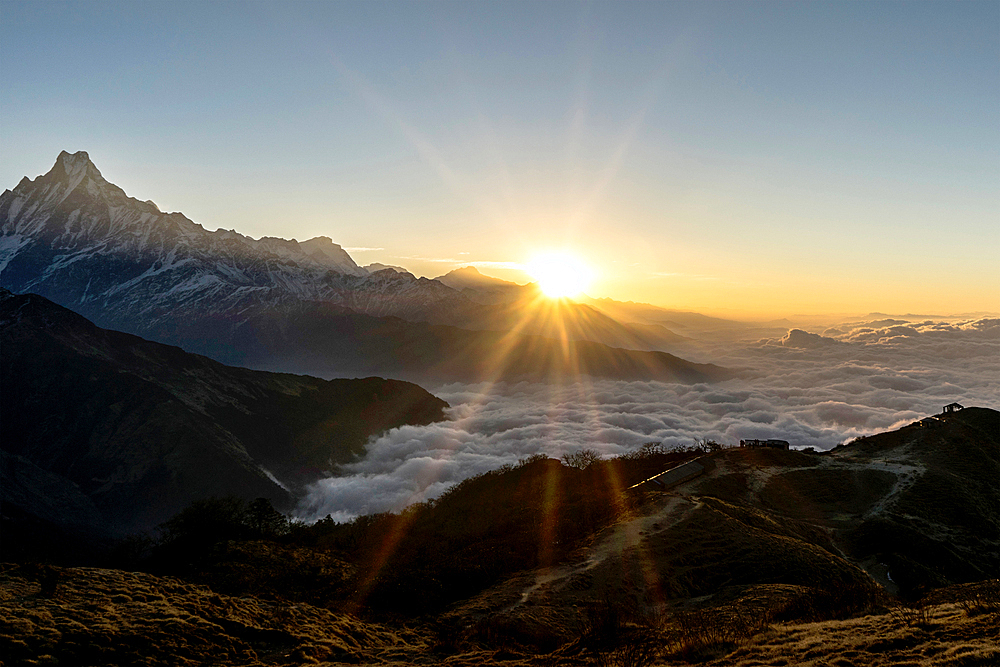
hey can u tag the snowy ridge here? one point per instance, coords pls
(79, 240)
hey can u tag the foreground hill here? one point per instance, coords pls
(84, 616)
(105, 431)
(79, 240)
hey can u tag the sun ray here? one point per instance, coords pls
(459, 183)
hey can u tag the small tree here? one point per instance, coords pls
(581, 459)
(206, 522)
(707, 445)
(265, 521)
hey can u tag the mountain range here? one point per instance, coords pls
(79, 240)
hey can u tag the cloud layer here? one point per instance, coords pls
(860, 378)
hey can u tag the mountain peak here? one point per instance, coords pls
(324, 249)
(322, 243)
(76, 165)
(470, 276)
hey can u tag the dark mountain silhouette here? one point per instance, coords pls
(329, 341)
(74, 238)
(104, 431)
(508, 306)
(487, 289)
(644, 313)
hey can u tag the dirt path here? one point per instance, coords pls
(905, 476)
(615, 540)
(676, 506)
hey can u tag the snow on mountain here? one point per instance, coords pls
(73, 237)
(372, 268)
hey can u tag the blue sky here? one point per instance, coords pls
(849, 152)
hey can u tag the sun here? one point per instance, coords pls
(560, 274)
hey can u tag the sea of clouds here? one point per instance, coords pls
(812, 389)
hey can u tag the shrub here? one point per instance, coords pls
(647, 450)
(985, 599)
(837, 602)
(207, 522)
(615, 637)
(700, 635)
(213, 520)
(265, 521)
(706, 445)
(915, 615)
(581, 459)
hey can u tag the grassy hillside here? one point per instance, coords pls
(875, 553)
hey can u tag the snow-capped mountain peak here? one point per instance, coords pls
(326, 248)
(75, 238)
(77, 165)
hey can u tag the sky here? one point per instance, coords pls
(755, 159)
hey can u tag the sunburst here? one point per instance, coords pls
(560, 274)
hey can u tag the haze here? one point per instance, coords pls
(753, 159)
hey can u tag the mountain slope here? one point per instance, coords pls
(128, 431)
(764, 534)
(564, 318)
(644, 313)
(940, 523)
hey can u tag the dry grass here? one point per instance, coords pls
(107, 617)
(942, 635)
(697, 636)
(615, 637)
(110, 617)
(982, 598)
